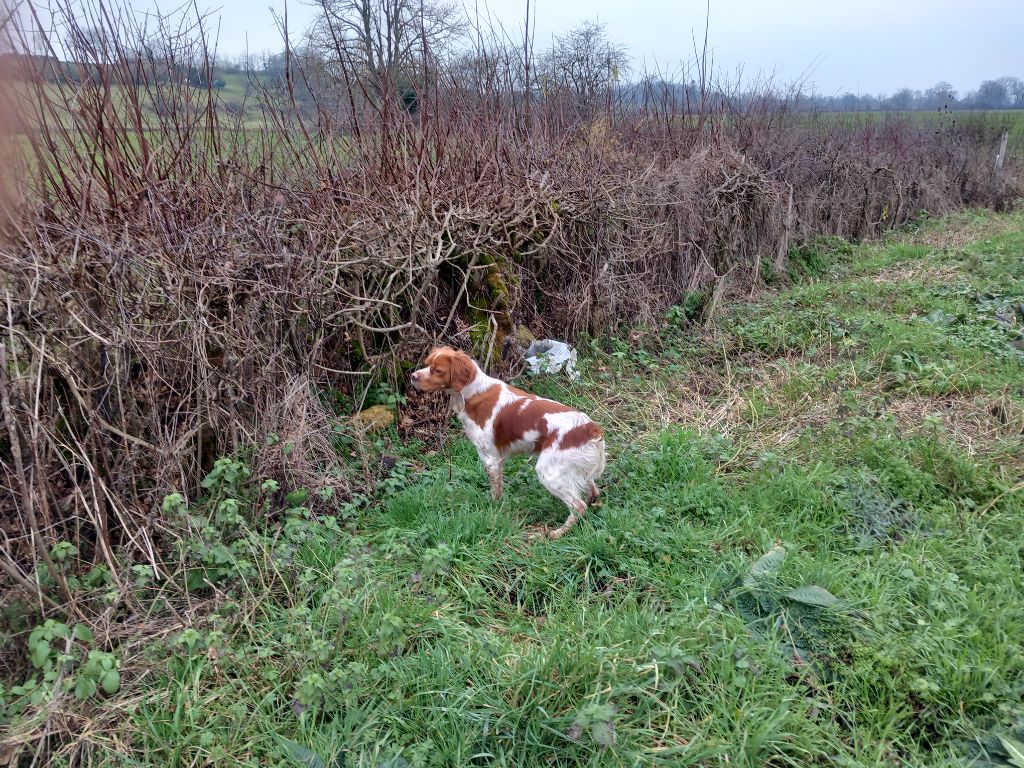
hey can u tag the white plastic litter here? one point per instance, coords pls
(550, 356)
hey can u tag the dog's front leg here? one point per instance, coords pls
(495, 471)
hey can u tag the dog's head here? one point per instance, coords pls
(445, 368)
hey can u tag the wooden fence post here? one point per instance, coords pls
(1001, 157)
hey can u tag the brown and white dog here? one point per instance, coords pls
(501, 420)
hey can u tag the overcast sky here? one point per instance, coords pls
(865, 46)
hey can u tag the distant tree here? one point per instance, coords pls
(942, 94)
(991, 94)
(7, 30)
(585, 62)
(97, 42)
(902, 100)
(849, 102)
(274, 64)
(381, 42)
(498, 67)
(232, 65)
(1014, 91)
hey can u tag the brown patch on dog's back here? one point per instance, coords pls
(527, 415)
(480, 407)
(581, 434)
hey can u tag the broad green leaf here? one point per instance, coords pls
(39, 653)
(1015, 751)
(768, 565)
(298, 497)
(83, 633)
(111, 681)
(303, 755)
(85, 687)
(813, 595)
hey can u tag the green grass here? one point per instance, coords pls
(867, 420)
(239, 98)
(1010, 120)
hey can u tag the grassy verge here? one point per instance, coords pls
(809, 553)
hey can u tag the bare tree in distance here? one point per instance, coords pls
(940, 95)
(586, 62)
(382, 42)
(6, 24)
(1014, 90)
(991, 94)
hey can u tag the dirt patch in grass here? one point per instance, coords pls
(975, 423)
(924, 272)
(759, 408)
(960, 230)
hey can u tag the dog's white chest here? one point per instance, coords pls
(477, 435)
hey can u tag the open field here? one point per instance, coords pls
(1010, 120)
(239, 99)
(809, 552)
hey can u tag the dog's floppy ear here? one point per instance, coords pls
(462, 371)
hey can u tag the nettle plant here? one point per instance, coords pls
(807, 616)
(63, 662)
(383, 394)
(220, 539)
(215, 546)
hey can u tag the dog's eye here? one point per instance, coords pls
(434, 371)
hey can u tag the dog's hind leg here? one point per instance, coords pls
(563, 482)
(577, 509)
(593, 493)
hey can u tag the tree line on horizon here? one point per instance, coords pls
(398, 47)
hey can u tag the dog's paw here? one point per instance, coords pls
(534, 535)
